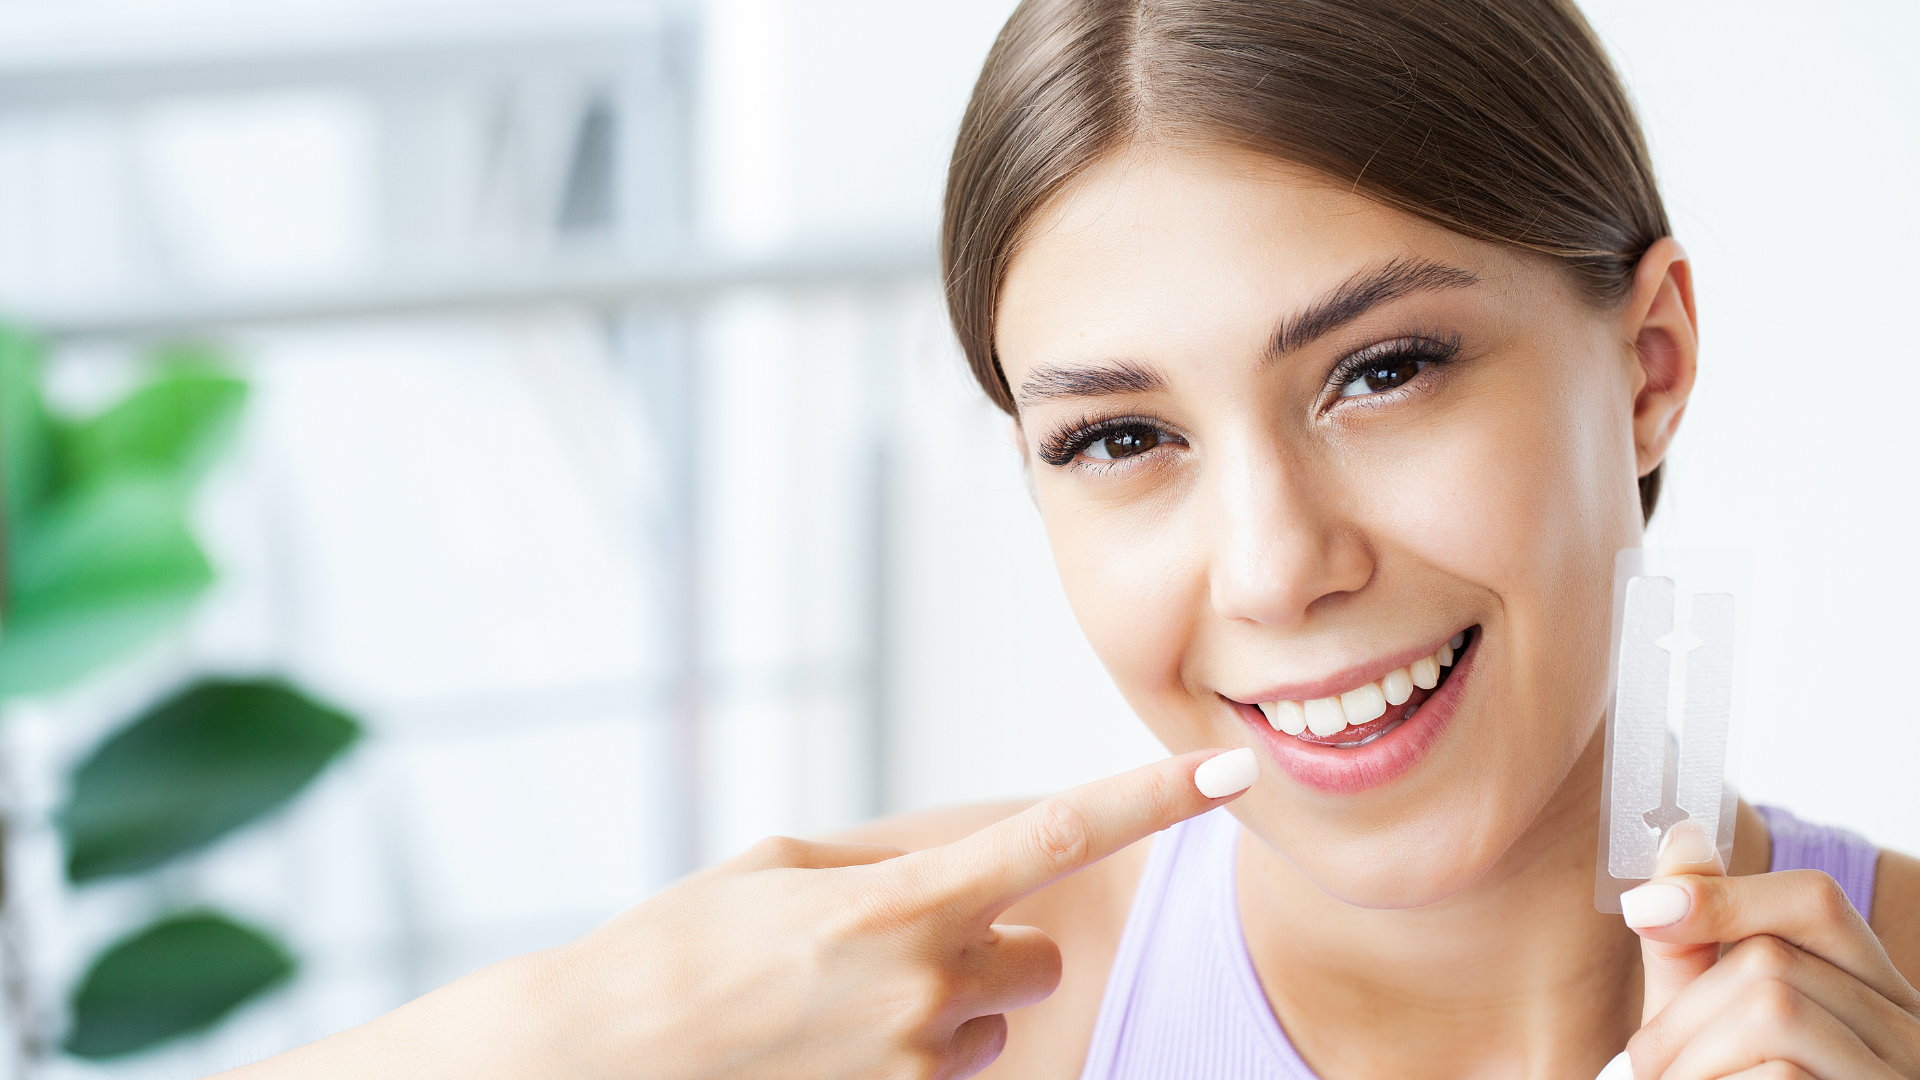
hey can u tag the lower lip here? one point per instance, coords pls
(1385, 759)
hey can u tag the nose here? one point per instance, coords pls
(1280, 545)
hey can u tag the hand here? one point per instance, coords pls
(806, 959)
(1805, 990)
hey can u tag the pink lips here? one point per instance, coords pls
(1344, 771)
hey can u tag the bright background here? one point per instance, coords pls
(625, 481)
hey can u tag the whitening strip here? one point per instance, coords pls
(1678, 681)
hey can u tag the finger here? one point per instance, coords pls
(1774, 1070)
(1017, 966)
(1688, 915)
(1671, 967)
(987, 872)
(1774, 1022)
(786, 852)
(1890, 1033)
(976, 1045)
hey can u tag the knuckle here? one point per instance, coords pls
(1826, 897)
(777, 851)
(1771, 1003)
(1061, 833)
(1762, 958)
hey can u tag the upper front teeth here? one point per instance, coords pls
(1331, 715)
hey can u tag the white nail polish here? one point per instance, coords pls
(1227, 774)
(1620, 1068)
(1655, 904)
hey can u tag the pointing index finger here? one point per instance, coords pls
(997, 866)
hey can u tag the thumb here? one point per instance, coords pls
(1670, 968)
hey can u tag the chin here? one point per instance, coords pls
(1417, 864)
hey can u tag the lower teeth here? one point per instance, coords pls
(1370, 738)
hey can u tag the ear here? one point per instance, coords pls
(1659, 320)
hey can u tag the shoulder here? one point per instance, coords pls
(1896, 911)
(1083, 913)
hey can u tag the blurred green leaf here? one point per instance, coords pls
(26, 468)
(167, 430)
(51, 650)
(99, 556)
(93, 576)
(193, 769)
(179, 975)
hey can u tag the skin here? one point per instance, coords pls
(1276, 535)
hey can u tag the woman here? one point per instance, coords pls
(1344, 339)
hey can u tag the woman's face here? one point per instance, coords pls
(1288, 443)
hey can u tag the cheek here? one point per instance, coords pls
(1135, 584)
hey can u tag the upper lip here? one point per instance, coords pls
(1351, 677)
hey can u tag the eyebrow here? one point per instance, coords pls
(1362, 293)
(1353, 298)
(1048, 382)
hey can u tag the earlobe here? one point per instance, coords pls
(1662, 328)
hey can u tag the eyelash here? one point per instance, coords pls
(1061, 447)
(1065, 445)
(1423, 352)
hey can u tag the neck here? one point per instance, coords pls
(1516, 976)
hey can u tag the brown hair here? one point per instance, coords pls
(1498, 119)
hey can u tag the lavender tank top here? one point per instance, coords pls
(1183, 1000)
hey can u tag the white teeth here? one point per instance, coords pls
(1364, 705)
(1332, 715)
(1325, 717)
(1397, 687)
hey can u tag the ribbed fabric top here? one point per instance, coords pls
(1183, 1000)
(1846, 855)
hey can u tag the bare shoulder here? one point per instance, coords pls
(1083, 913)
(1896, 911)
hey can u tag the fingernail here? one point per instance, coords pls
(1620, 1068)
(1227, 774)
(1687, 842)
(1654, 905)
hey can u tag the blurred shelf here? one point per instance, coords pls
(135, 54)
(666, 282)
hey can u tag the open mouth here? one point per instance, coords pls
(1359, 716)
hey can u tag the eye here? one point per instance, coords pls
(1102, 441)
(1379, 375)
(1122, 443)
(1391, 365)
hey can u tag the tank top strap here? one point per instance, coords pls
(1182, 1000)
(1846, 855)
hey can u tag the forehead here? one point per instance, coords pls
(1198, 250)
